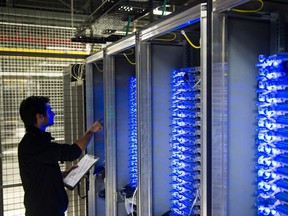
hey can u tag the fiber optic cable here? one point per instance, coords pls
(133, 132)
(164, 7)
(128, 25)
(272, 136)
(251, 11)
(185, 141)
(189, 41)
(97, 67)
(167, 39)
(130, 189)
(132, 63)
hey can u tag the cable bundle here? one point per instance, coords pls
(132, 132)
(185, 141)
(272, 140)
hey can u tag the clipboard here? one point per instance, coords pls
(84, 165)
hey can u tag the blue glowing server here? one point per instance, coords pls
(272, 140)
(132, 132)
(185, 141)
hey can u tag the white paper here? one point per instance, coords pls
(83, 166)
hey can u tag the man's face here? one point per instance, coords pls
(49, 118)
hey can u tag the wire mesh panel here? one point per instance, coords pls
(31, 36)
(31, 63)
(12, 130)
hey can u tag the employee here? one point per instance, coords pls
(39, 156)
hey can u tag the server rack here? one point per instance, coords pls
(94, 111)
(155, 64)
(116, 72)
(116, 81)
(238, 40)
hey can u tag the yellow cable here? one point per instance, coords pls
(194, 46)
(133, 63)
(132, 51)
(98, 67)
(251, 11)
(167, 39)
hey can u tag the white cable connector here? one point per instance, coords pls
(133, 197)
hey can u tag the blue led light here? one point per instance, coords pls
(132, 132)
(185, 141)
(187, 23)
(272, 137)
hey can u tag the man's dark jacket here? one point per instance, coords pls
(40, 173)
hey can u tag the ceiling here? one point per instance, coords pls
(79, 6)
(97, 21)
(64, 6)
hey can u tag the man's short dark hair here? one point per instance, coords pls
(30, 106)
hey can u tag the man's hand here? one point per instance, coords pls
(96, 126)
(83, 141)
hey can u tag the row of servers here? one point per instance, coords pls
(194, 109)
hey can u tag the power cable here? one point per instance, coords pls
(193, 45)
(251, 11)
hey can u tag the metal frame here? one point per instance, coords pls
(219, 120)
(121, 45)
(277, 23)
(172, 23)
(110, 135)
(144, 113)
(110, 120)
(222, 5)
(204, 93)
(144, 106)
(144, 128)
(89, 120)
(95, 57)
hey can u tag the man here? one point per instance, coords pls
(38, 156)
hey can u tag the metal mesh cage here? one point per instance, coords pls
(32, 61)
